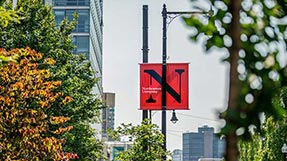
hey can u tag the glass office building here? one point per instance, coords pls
(202, 144)
(108, 115)
(88, 33)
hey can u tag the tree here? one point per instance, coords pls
(147, 142)
(267, 143)
(251, 150)
(8, 15)
(26, 131)
(252, 35)
(38, 30)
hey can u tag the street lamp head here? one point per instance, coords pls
(284, 148)
(173, 118)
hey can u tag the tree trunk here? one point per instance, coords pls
(232, 153)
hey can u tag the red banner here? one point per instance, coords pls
(176, 87)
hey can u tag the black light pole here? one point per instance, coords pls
(164, 55)
(163, 81)
(145, 45)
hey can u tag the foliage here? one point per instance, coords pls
(7, 59)
(259, 68)
(39, 31)
(267, 144)
(8, 15)
(147, 142)
(251, 150)
(253, 34)
(26, 131)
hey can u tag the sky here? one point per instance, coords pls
(122, 54)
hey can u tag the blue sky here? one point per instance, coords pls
(122, 54)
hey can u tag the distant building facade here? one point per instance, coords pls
(177, 155)
(202, 144)
(112, 149)
(108, 114)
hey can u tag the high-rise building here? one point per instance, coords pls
(202, 144)
(88, 33)
(108, 114)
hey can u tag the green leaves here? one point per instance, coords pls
(38, 30)
(7, 16)
(147, 142)
(253, 33)
(267, 144)
(261, 37)
(26, 95)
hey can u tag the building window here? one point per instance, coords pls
(83, 21)
(83, 24)
(82, 45)
(71, 2)
(59, 16)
